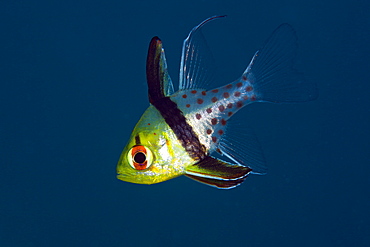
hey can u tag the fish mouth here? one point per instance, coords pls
(123, 177)
(120, 175)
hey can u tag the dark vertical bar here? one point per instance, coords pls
(154, 75)
(168, 109)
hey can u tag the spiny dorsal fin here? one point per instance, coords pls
(217, 173)
(159, 82)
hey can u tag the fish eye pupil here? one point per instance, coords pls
(139, 157)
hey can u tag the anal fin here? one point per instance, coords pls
(217, 173)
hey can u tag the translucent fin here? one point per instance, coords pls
(217, 173)
(240, 144)
(197, 68)
(271, 70)
(167, 82)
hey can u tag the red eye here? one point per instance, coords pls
(139, 157)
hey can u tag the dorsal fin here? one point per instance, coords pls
(197, 67)
(159, 88)
(159, 82)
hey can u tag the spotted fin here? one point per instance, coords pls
(217, 173)
(197, 68)
(158, 79)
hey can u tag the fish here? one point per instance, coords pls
(188, 132)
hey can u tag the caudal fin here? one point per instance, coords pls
(271, 70)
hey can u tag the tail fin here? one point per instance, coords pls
(271, 70)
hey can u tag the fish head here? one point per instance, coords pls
(153, 154)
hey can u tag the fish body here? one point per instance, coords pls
(180, 130)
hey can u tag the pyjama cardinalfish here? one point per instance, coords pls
(180, 130)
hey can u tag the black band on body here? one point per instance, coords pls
(182, 129)
(168, 109)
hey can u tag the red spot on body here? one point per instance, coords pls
(237, 94)
(253, 97)
(187, 105)
(209, 131)
(226, 95)
(239, 84)
(214, 99)
(245, 78)
(148, 123)
(214, 121)
(209, 110)
(249, 88)
(199, 101)
(155, 133)
(230, 113)
(198, 116)
(193, 91)
(245, 97)
(204, 93)
(221, 108)
(228, 86)
(214, 91)
(220, 132)
(223, 122)
(184, 96)
(214, 139)
(239, 104)
(230, 105)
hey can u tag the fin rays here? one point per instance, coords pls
(220, 184)
(272, 68)
(158, 79)
(197, 68)
(217, 173)
(244, 150)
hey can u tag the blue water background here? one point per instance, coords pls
(72, 78)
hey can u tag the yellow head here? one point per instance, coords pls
(153, 153)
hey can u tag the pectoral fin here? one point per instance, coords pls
(217, 173)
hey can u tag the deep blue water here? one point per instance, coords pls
(72, 76)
